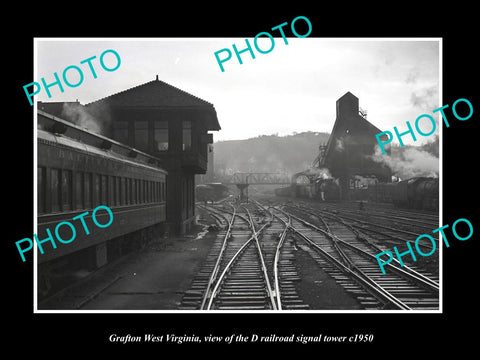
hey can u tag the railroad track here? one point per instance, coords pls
(422, 221)
(353, 258)
(246, 266)
(377, 232)
(252, 264)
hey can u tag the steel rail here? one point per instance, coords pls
(411, 274)
(227, 268)
(362, 278)
(427, 216)
(262, 261)
(354, 226)
(276, 277)
(217, 212)
(419, 223)
(219, 258)
(281, 240)
(378, 225)
(404, 270)
(416, 276)
(359, 275)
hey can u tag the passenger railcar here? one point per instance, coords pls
(77, 171)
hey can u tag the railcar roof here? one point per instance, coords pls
(85, 135)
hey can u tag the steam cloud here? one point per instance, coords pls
(411, 162)
(426, 98)
(321, 173)
(95, 119)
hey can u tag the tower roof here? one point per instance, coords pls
(157, 94)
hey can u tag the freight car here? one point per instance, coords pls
(211, 192)
(285, 191)
(415, 193)
(77, 170)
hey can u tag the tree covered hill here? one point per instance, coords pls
(294, 153)
(268, 153)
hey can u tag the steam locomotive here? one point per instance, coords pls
(324, 190)
(416, 193)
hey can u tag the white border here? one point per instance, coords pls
(216, 312)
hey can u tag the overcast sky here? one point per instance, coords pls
(291, 89)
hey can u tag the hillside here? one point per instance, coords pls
(268, 153)
(295, 153)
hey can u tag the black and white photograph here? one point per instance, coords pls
(273, 182)
(284, 204)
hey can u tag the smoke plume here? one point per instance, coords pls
(408, 162)
(321, 173)
(94, 120)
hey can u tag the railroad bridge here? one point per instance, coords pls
(243, 179)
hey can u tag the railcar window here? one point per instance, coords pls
(79, 190)
(161, 135)
(138, 198)
(146, 183)
(88, 190)
(139, 191)
(111, 190)
(134, 192)
(145, 191)
(96, 189)
(150, 191)
(129, 192)
(66, 189)
(40, 190)
(117, 190)
(122, 191)
(103, 190)
(55, 189)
